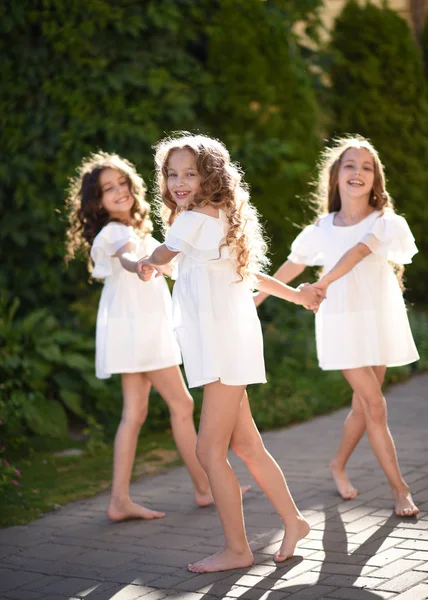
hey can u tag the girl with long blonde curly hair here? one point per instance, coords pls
(362, 327)
(110, 221)
(214, 231)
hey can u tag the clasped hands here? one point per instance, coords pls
(315, 292)
(145, 269)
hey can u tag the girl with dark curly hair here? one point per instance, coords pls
(109, 219)
(214, 230)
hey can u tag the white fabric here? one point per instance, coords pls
(134, 323)
(214, 315)
(363, 321)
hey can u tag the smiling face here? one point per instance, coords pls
(184, 181)
(116, 196)
(356, 173)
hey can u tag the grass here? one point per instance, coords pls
(49, 481)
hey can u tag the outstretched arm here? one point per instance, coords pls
(127, 257)
(348, 261)
(286, 273)
(160, 256)
(301, 295)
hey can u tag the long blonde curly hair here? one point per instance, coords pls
(85, 213)
(222, 187)
(326, 197)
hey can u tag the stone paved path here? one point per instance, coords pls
(357, 550)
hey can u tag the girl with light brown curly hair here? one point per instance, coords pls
(213, 230)
(362, 327)
(109, 219)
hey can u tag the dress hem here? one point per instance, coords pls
(145, 370)
(236, 383)
(392, 364)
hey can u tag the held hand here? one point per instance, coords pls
(145, 269)
(310, 297)
(321, 285)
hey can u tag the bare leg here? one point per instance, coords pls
(248, 445)
(366, 386)
(220, 411)
(170, 385)
(353, 430)
(135, 388)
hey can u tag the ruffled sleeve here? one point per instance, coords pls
(390, 236)
(112, 237)
(196, 235)
(307, 248)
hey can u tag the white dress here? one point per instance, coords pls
(134, 323)
(214, 315)
(363, 321)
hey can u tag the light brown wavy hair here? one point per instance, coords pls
(326, 198)
(87, 216)
(222, 187)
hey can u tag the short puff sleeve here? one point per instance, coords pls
(197, 236)
(112, 237)
(307, 248)
(391, 237)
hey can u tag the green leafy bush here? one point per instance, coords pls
(262, 104)
(46, 374)
(379, 90)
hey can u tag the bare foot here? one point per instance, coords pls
(296, 530)
(120, 510)
(224, 560)
(404, 505)
(207, 499)
(344, 486)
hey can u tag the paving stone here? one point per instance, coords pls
(359, 594)
(315, 592)
(389, 556)
(349, 581)
(419, 592)
(396, 568)
(12, 579)
(403, 581)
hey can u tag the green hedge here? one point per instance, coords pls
(378, 90)
(95, 74)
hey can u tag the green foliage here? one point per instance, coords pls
(95, 75)
(379, 91)
(262, 104)
(46, 374)
(92, 74)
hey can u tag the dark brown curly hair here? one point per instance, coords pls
(222, 187)
(87, 216)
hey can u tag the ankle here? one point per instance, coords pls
(402, 489)
(119, 498)
(337, 465)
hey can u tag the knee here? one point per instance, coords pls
(135, 417)
(209, 454)
(249, 452)
(183, 409)
(376, 411)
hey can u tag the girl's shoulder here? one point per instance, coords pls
(112, 236)
(323, 222)
(196, 234)
(112, 231)
(192, 221)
